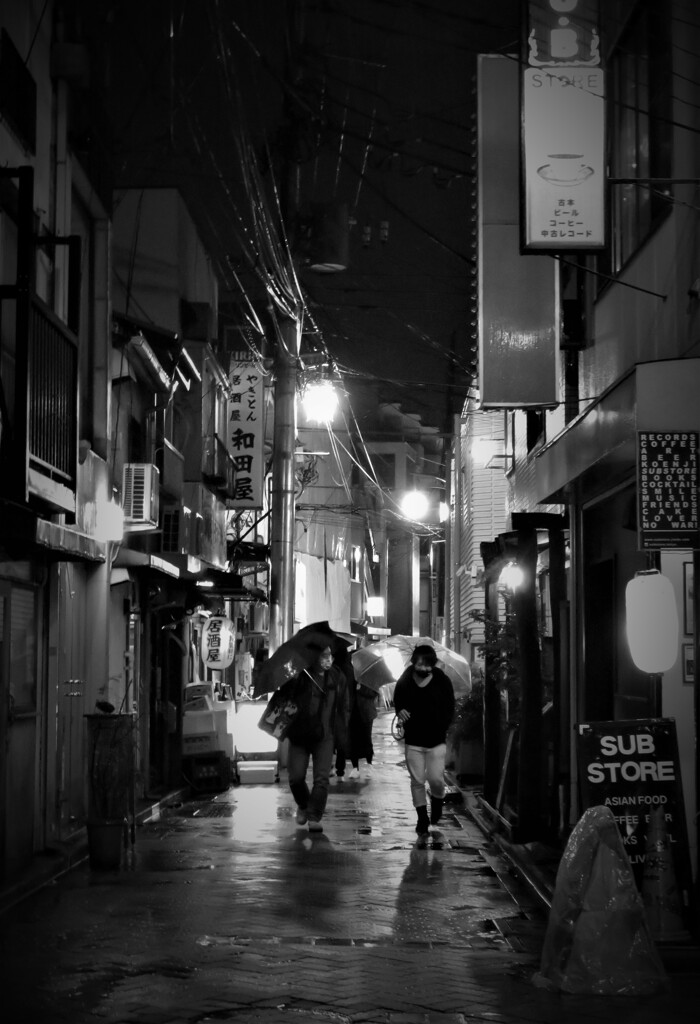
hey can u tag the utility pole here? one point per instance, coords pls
(282, 498)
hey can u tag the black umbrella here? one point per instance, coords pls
(296, 654)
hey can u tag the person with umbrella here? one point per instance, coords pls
(321, 725)
(424, 702)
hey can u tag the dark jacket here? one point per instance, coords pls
(319, 711)
(432, 708)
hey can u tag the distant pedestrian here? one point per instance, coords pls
(424, 702)
(319, 726)
(362, 716)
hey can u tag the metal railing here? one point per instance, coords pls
(53, 395)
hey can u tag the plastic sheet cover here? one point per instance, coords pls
(597, 939)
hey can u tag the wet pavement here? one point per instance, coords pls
(228, 911)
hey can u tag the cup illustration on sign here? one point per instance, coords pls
(565, 169)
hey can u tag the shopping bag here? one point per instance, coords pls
(279, 714)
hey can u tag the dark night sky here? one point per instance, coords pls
(369, 103)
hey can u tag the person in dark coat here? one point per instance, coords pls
(362, 716)
(424, 702)
(320, 725)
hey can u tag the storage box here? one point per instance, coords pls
(200, 743)
(208, 772)
(254, 772)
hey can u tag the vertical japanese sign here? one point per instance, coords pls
(632, 767)
(563, 128)
(667, 489)
(245, 435)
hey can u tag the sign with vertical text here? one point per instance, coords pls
(245, 434)
(563, 128)
(667, 489)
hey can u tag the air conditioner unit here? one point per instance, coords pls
(175, 535)
(140, 491)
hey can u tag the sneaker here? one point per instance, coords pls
(301, 816)
(315, 826)
(355, 773)
(340, 778)
(368, 768)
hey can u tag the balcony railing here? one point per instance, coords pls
(53, 396)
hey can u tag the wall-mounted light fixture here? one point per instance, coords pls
(487, 453)
(375, 607)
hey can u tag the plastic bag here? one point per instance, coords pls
(597, 939)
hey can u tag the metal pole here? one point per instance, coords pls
(282, 502)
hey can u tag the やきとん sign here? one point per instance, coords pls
(632, 767)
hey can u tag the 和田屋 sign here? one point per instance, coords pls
(245, 435)
(667, 489)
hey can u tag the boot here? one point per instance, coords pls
(436, 803)
(423, 821)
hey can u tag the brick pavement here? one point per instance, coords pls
(229, 912)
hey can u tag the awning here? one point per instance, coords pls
(128, 558)
(23, 531)
(598, 448)
(64, 544)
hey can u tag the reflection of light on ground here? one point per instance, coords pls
(256, 814)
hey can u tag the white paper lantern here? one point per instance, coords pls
(218, 642)
(652, 622)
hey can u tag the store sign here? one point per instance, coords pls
(633, 768)
(667, 489)
(218, 647)
(245, 435)
(563, 128)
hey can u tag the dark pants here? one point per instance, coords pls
(314, 802)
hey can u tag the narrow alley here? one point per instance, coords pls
(227, 910)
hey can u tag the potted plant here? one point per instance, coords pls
(465, 737)
(111, 752)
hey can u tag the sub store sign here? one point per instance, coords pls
(632, 767)
(667, 487)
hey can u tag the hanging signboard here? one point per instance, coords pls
(667, 489)
(518, 295)
(633, 768)
(218, 647)
(245, 434)
(562, 128)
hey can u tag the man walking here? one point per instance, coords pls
(319, 726)
(424, 702)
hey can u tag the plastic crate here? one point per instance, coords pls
(208, 772)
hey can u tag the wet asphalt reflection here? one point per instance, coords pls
(227, 873)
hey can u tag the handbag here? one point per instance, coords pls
(281, 711)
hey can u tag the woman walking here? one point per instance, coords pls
(424, 702)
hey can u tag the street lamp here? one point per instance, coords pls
(415, 505)
(320, 400)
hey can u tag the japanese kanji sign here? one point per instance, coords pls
(563, 128)
(667, 485)
(245, 434)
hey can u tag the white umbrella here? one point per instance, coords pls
(384, 661)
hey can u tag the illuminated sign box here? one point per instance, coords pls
(562, 129)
